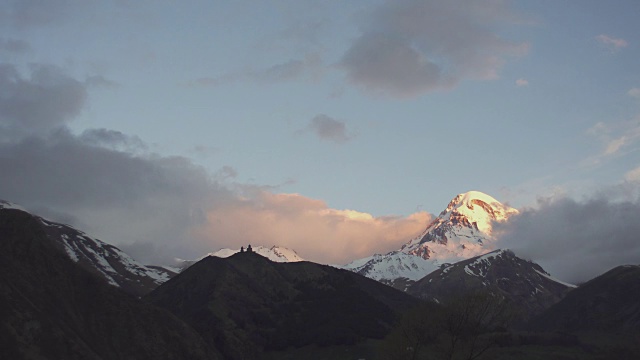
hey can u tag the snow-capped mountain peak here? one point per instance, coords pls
(478, 207)
(462, 230)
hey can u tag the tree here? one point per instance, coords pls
(418, 328)
(468, 322)
(464, 328)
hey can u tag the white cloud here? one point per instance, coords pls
(634, 92)
(522, 82)
(612, 43)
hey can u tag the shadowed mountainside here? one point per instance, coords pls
(246, 304)
(608, 303)
(52, 308)
(523, 283)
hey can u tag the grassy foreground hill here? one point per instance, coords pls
(246, 305)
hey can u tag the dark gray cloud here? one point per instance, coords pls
(328, 128)
(103, 181)
(384, 63)
(46, 99)
(113, 194)
(410, 47)
(577, 240)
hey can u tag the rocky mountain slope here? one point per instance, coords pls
(53, 308)
(246, 304)
(525, 284)
(105, 260)
(461, 231)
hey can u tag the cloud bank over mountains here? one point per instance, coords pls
(109, 184)
(578, 240)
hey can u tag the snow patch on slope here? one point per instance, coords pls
(393, 265)
(8, 205)
(274, 253)
(556, 280)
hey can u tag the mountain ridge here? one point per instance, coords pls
(524, 283)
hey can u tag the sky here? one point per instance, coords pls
(338, 129)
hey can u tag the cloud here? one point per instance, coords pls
(382, 63)
(328, 128)
(158, 207)
(112, 139)
(34, 13)
(309, 67)
(633, 175)
(522, 82)
(634, 92)
(617, 139)
(576, 240)
(410, 47)
(13, 46)
(47, 98)
(121, 196)
(612, 43)
(100, 81)
(309, 226)
(163, 207)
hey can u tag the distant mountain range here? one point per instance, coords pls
(64, 294)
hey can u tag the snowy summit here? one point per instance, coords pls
(463, 230)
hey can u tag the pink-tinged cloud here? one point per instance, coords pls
(611, 42)
(308, 226)
(522, 82)
(634, 92)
